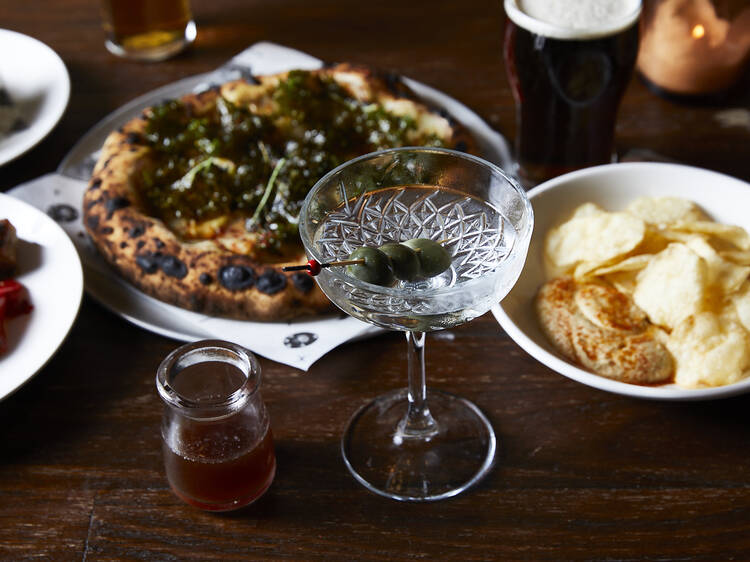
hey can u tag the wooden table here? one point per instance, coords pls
(580, 474)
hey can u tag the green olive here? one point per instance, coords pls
(376, 269)
(433, 258)
(404, 261)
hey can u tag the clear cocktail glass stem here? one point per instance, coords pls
(396, 447)
(418, 422)
(403, 444)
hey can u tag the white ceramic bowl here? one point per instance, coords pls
(612, 187)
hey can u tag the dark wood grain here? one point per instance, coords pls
(580, 474)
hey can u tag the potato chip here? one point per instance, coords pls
(675, 235)
(584, 270)
(728, 313)
(725, 275)
(587, 210)
(672, 286)
(734, 234)
(633, 263)
(595, 238)
(653, 242)
(741, 303)
(709, 351)
(737, 256)
(623, 281)
(664, 210)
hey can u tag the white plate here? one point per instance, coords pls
(163, 319)
(613, 186)
(37, 81)
(50, 269)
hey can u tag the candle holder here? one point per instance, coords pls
(694, 47)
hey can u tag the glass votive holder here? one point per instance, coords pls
(694, 47)
(216, 435)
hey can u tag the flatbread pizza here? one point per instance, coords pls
(196, 201)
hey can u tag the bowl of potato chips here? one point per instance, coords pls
(671, 242)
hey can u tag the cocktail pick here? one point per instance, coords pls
(313, 267)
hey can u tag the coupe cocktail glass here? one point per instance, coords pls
(410, 444)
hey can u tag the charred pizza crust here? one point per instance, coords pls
(206, 275)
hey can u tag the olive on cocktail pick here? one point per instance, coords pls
(433, 257)
(404, 261)
(375, 269)
(408, 261)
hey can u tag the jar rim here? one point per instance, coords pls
(202, 351)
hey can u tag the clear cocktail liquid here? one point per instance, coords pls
(478, 237)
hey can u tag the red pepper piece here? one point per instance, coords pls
(14, 301)
(3, 339)
(16, 298)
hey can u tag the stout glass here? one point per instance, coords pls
(567, 80)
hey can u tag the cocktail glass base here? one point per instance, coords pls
(449, 459)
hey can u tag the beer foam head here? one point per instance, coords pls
(573, 19)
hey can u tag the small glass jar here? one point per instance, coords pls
(216, 435)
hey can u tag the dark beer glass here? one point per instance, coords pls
(567, 84)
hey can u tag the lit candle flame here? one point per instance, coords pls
(698, 31)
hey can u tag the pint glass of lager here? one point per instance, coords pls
(149, 30)
(568, 63)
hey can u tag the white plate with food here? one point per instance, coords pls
(34, 92)
(49, 267)
(162, 318)
(681, 261)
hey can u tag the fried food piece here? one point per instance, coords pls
(602, 329)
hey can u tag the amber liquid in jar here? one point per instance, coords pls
(236, 480)
(147, 29)
(216, 437)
